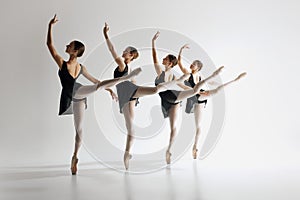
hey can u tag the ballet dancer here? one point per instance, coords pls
(193, 104)
(170, 99)
(128, 92)
(73, 95)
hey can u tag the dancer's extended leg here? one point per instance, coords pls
(188, 93)
(85, 90)
(144, 91)
(210, 93)
(111, 82)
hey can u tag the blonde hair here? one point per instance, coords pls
(199, 64)
(134, 52)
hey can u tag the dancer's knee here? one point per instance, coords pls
(130, 131)
(173, 132)
(130, 136)
(198, 130)
(78, 138)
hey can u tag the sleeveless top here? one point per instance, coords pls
(126, 89)
(168, 97)
(118, 74)
(161, 79)
(190, 82)
(69, 87)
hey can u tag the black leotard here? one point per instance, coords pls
(69, 87)
(126, 90)
(168, 97)
(194, 99)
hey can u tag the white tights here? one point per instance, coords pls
(78, 112)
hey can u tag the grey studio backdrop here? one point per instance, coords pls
(261, 37)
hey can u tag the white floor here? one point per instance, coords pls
(186, 179)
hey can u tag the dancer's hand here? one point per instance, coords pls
(114, 96)
(155, 36)
(182, 68)
(105, 28)
(53, 20)
(186, 46)
(58, 59)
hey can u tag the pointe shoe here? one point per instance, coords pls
(127, 157)
(168, 157)
(241, 76)
(134, 72)
(218, 71)
(183, 78)
(74, 165)
(195, 153)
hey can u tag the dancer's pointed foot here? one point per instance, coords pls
(127, 157)
(241, 76)
(195, 153)
(74, 165)
(218, 71)
(168, 157)
(183, 78)
(134, 73)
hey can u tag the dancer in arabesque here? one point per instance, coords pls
(73, 95)
(170, 99)
(128, 92)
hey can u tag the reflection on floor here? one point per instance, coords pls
(186, 179)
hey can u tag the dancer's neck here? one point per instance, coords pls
(72, 59)
(167, 68)
(127, 61)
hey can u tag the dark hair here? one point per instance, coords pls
(134, 52)
(79, 46)
(172, 59)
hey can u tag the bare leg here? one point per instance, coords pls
(78, 110)
(128, 113)
(144, 91)
(173, 115)
(210, 93)
(111, 82)
(198, 116)
(188, 93)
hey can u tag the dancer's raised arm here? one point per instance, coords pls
(182, 68)
(154, 56)
(111, 48)
(58, 59)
